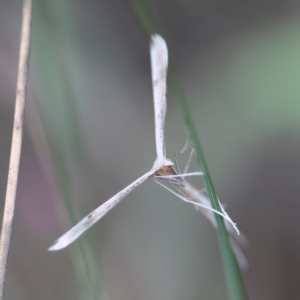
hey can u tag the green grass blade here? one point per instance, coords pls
(235, 283)
(64, 141)
(233, 275)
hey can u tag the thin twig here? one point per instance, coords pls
(16, 140)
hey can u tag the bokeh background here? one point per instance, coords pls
(90, 132)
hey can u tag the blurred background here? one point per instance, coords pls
(90, 132)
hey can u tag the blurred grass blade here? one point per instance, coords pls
(235, 283)
(147, 20)
(64, 137)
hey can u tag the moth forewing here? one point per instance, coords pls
(76, 231)
(159, 66)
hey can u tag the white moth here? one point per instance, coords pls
(188, 193)
(163, 168)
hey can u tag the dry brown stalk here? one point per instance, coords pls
(16, 140)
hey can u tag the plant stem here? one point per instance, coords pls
(16, 140)
(233, 274)
(149, 24)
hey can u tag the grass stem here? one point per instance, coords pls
(149, 24)
(15, 153)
